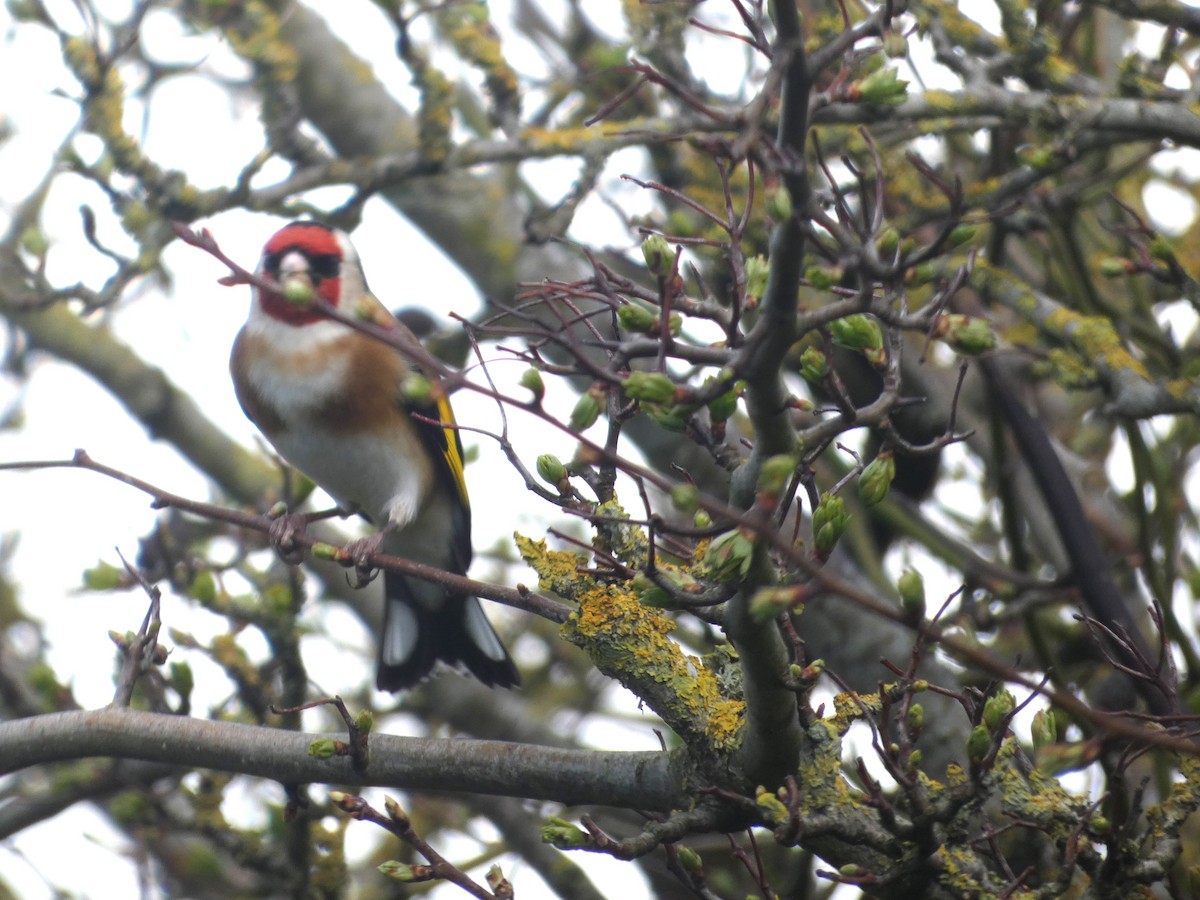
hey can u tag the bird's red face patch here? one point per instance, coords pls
(323, 252)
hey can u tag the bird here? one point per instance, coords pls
(331, 401)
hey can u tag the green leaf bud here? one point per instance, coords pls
(996, 709)
(1115, 267)
(104, 577)
(649, 387)
(1043, 729)
(757, 271)
(405, 873)
(960, 234)
(979, 744)
(563, 835)
(531, 380)
(724, 405)
(417, 388)
(966, 334)
(857, 332)
(813, 365)
(829, 522)
(883, 86)
(895, 44)
(888, 242)
(1160, 248)
(203, 587)
(659, 254)
(685, 497)
(769, 602)
(916, 717)
(689, 859)
(779, 203)
(775, 473)
(822, 278)
(550, 469)
(322, 550)
(911, 587)
(587, 409)
(181, 678)
(729, 555)
(637, 318)
(673, 418)
(298, 292)
(876, 478)
(323, 748)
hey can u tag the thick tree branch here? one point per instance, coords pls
(642, 780)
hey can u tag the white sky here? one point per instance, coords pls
(75, 519)
(187, 330)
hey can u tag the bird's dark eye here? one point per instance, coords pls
(270, 264)
(327, 265)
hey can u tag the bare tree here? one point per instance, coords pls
(869, 327)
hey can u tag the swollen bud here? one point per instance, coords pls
(1115, 267)
(857, 332)
(821, 278)
(775, 473)
(756, 276)
(531, 380)
(722, 407)
(417, 388)
(729, 555)
(911, 587)
(960, 234)
(829, 523)
(298, 292)
(895, 44)
(979, 744)
(877, 477)
(997, 707)
(550, 469)
(689, 859)
(103, 577)
(1043, 729)
(685, 497)
(916, 717)
(883, 86)
(587, 409)
(813, 365)
(659, 254)
(769, 602)
(887, 242)
(323, 748)
(966, 334)
(565, 836)
(636, 318)
(779, 204)
(405, 873)
(649, 387)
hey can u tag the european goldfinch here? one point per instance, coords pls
(330, 400)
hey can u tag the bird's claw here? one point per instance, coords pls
(282, 534)
(359, 552)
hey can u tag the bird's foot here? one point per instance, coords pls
(360, 552)
(284, 528)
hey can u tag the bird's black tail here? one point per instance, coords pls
(422, 624)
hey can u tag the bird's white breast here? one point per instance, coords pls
(377, 471)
